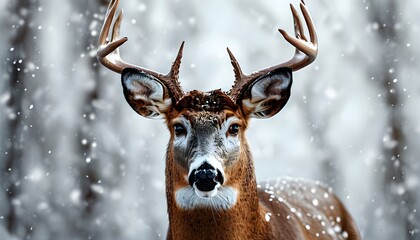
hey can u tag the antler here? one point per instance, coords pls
(108, 53)
(306, 52)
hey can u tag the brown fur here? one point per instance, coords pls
(296, 209)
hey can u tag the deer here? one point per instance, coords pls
(211, 186)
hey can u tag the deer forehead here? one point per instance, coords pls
(214, 101)
(205, 109)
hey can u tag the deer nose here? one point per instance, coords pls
(205, 177)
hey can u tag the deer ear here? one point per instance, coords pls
(267, 95)
(145, 93)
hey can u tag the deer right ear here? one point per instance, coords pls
(267, 95)
(145, 93)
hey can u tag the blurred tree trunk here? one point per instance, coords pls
(401, 200)
(89, 163)
(21, 45)
(85, 137)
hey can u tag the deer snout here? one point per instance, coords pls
(205, 177)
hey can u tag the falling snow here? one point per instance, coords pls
(77, 163)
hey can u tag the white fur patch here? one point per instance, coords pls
(229, 142)
(223, 198)
(210, 159)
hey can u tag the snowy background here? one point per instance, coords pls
(77, 163)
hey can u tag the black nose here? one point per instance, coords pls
(205, 177)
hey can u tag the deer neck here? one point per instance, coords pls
(245, 220)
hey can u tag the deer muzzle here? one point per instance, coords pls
(205, 178)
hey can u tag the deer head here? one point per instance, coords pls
(207, 130)
(207, 147)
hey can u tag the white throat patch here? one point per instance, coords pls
(225, 198)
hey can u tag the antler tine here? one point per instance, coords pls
(116, 29)
(306, 51)
(107, 23)
(299, 33)
(173, 74)
(108, 52)
(240, 77)
(311, 27)
(236, 67)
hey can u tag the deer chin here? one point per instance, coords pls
(206, 194)
(221, 197)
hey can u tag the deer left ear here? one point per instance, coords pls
(267, 95)
(145, 93)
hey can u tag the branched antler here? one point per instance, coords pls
(306, 52)
(108, 53)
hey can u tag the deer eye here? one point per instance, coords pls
(179, 129)
(233, 129)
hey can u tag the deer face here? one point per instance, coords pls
(206, 135)
(207, 131)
